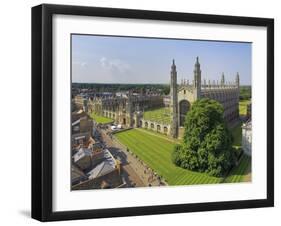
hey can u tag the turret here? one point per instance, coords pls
(129, 110)
(174, 100)
(237, 80)
(173, 83)
(197, 79)
(222, 80)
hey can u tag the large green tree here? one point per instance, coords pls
(207, 142)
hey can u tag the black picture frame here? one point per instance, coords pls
(42, 196)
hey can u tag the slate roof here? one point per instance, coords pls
(106, 166)
(82, 153)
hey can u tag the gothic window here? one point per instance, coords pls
(183, 109)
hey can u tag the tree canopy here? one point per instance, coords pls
(207, 142)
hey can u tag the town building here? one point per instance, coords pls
(77, 175)
(247, 137)
(83, 158)
(104, 172)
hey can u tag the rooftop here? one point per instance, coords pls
(81, 153)
(106, 166)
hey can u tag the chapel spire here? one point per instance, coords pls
(237, 80)
(197, 78)
(222, 79)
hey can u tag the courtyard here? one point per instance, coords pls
(100, 119)
(243, 107)
(160, 115)
(155, 150)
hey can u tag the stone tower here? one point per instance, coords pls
(222, 79)
(237, 80)
(197, 80)
(174, 100)
(129, 110)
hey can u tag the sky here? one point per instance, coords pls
(109, 59)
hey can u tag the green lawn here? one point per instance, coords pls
(156, 151)
(243, 106)
(237, 135)
(100, 119)
(161, 115)
(239, 173)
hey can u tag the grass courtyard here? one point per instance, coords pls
(161, 115)
(243, 107)
(240, 173)
(155, 150)
(100, 119)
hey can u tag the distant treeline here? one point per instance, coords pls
(245, 91)
(98, 87)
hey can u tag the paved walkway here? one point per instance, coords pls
(138, 173)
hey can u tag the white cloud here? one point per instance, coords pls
(114, 65)
(103, 62)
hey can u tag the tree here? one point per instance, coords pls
(207, 142)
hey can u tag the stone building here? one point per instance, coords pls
(128, 109)
(247, 137)
(104, 172)
(83, 158)
(182, 96)
(125, 109)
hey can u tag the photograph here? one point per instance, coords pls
(152, 112)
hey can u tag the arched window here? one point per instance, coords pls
(146, 124)
(183, 109)
(165, 130)
(158, 128)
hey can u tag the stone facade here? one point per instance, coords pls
(125, 110)
(110, 180)
(186, 93)
(247, 138)
(128, 109)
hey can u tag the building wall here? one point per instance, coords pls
(247, 138)
(113, 179)
(228, 96)
(156, 127)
